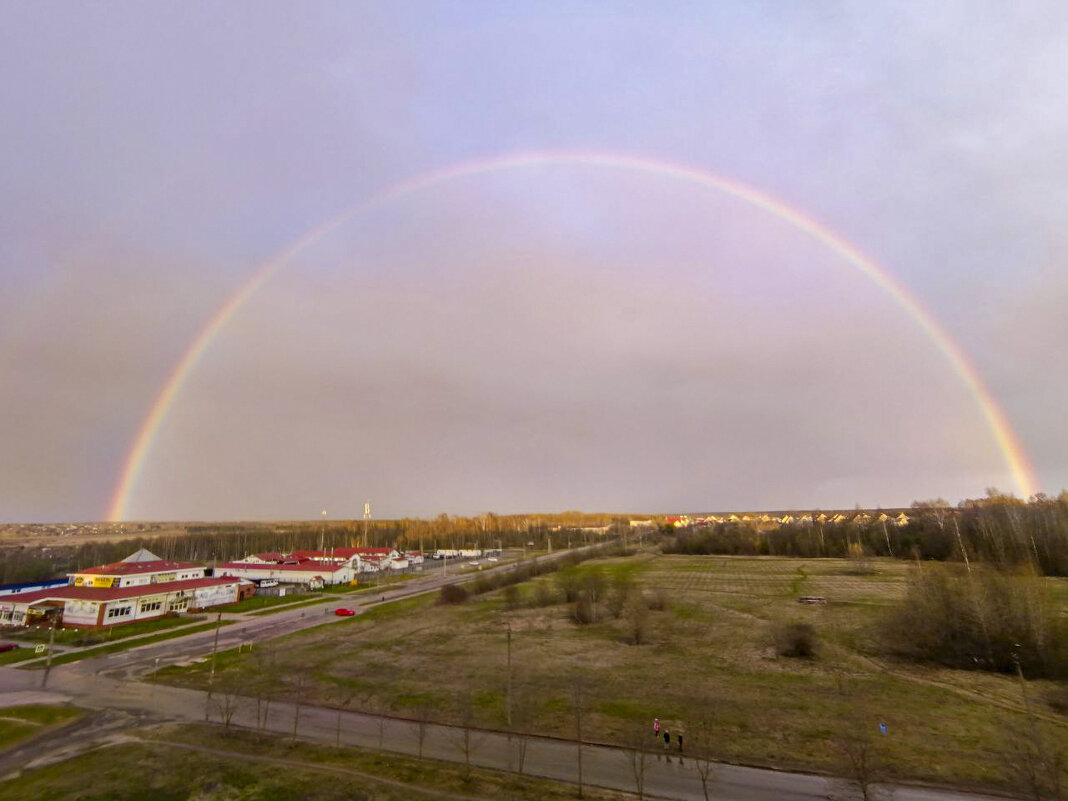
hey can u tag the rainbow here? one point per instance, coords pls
(1006, 439)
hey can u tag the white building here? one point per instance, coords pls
(307, 572)
(97, 607)
(137, 569)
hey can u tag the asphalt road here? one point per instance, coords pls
(110, 683)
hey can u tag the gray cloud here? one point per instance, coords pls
(536, 340)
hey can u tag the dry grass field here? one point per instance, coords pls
(203, 763)
(706, 663)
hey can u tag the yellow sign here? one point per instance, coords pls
(94, 581)
(161, 578)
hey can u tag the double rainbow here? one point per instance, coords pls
(1004, 436)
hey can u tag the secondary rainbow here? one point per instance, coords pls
(1007, 442)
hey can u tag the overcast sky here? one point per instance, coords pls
(558, 336)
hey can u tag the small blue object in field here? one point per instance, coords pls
(883, 729)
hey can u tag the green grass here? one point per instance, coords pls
(19, 722)
(706, 656)
(259, 602)
(90, 653)
(18, 655)
(285, 608)
(85, 637)
(242, 765)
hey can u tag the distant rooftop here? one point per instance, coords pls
(142, 555)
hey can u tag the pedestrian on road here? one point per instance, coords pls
(667, 739)
(680, 742)
(656, 727)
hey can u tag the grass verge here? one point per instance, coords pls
(260, 602)
(90, 653)
(285, 608)
(176, 763)
(20, 722)
(85, 637)
(17, 655)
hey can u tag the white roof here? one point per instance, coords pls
(142, 555)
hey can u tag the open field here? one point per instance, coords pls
(243, 765)
(19, 722)
(706, 658)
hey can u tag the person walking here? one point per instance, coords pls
(680, 742)
(667, 739)
(656, 727)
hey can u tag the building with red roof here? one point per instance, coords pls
(97, 607)
(307, 572)
(137, 569)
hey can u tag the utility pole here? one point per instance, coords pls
(211, 675)
(48, 658)
(508, 691)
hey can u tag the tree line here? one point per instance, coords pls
(207, 543)
(999, 530)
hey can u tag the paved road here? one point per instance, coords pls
(109, 683)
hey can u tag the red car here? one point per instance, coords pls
(7, 646)
(344, 612)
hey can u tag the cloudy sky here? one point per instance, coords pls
(553, 335)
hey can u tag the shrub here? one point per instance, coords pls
(543, 594)
(617, 595)
(979, 620)
(860, 563)
(585, 610)
(795, 640)
(1057, 698)
(512, 596)
(636, 614)
(452, 594)
(569, 585)
(658, 601)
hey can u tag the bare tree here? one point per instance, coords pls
(264, 682)
(857, 746)
(344, 693)
(522, 717)
(701, 750)
(301, 681)
(228, 698)
(636, 614)
(1035, 766)
(579, 691)
(637, 744)
(467, 741)
(423, 711)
